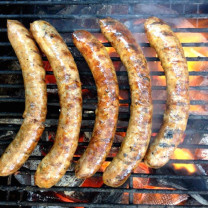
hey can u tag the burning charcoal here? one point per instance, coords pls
(160, 199)
(202, 154)
(147, 198)
(6, 134)
(184, 184)
(5, 138)
(109, 197)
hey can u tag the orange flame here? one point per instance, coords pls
(104, 166)
(184, 154)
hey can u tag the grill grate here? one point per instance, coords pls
(10, 118)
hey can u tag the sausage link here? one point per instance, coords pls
(173, 61)
(35, 99)
(138, 134)
(56, 162)
(104, 74)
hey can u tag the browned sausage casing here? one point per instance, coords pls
(138, 134)
(35, 99)
(174, 64)
(56, 162)
(104, 74)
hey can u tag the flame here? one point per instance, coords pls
(104, 166)
(184, 154)
(111, 51)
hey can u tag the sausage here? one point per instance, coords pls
(35, 99)
(173, 61)
(138, 133)
(104, 74)
(56, 162)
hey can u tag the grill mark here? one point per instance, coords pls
(169, 134)
(167, 33)
(166, 145)
(109, 22)
(158, 23)
(133, 47)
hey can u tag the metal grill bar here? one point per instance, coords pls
(12, 127)
(64, 204)
(138, 175)
(84, 16)
(56, 102)
(118, 73)
(92, 115)
(14, 58)
(54, 86)
(200, 44)
(48, 143)
(83, 2)
(89, 189)
(178, 161)
(97, 30)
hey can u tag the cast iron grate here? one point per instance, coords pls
(10, 117)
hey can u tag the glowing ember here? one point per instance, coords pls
(161, 199)
(49, 78)
(66, 199)
(62, 198)
(184, 154)
(85, 91)
(145, 198)
(95, 182)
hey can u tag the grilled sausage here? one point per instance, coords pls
(35, 99)
(56, 162)
(138, 134)
(104, 74)
(173, 61)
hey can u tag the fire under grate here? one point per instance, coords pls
(183, 181)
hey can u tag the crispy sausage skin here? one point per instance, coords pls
(56, 162)
(104, 74)
(173, 61)
(138, 134)
(35, 99)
